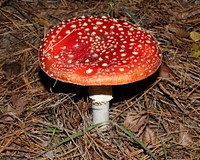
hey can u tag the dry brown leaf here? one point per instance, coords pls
(116, 9)
(12, 69)
(184, 138)
(177, 31)
(134, 121)
(166, 72)
(18, 104)
(149, 137)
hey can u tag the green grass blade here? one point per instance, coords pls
(73, 136)
(77, 134)
(164, 150)
(128, 132)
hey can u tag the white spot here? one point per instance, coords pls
(123, 54)
(93, 33)
(56, 56)
(112, 27)
(125, 23)
(85, 24)
(132, 40)
(99, 22)
(121, 69)
(104, 27)
(73, 26)
(80, 33)
(104, 64)
(100, 59)
(148, 41)
(131, 44)
(85, 37)
(121, 50)
(135, 53)
(95, 55)
(87, 60)
(63, 47)
(87, 29)
(140, 46)
(120, 29)
(88, 71)
(141, 74)
(124, 61)
(76, 45)
(68, 32)
(95, 27)
(71, 56)
(129, 33)
(69, 61)
(124, 42)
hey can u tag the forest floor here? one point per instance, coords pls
(157, 118)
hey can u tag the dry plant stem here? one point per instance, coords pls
(100, 95)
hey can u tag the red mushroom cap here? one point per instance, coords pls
(99, 51)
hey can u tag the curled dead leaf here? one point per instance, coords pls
(166, 72)
(134, 121)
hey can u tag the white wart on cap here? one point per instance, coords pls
(99, 51)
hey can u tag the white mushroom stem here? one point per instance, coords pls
(101, 96)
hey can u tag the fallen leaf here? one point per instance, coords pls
(195, 49)
(18, 104)
(149, 137)
(177, 31)
(195, 36)
(41, 21)
(166, 72)
(184, 138)
(12, 69)
(134, 121)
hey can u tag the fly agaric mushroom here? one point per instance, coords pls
(99, 52)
